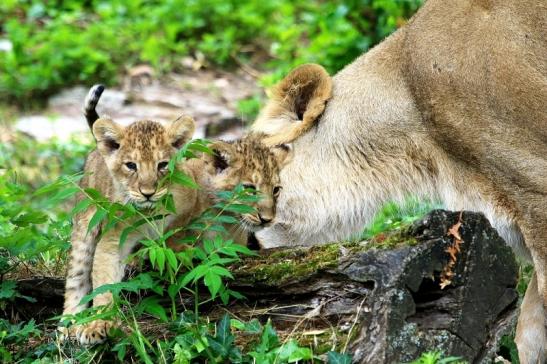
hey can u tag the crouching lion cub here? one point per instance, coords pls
(127, 167)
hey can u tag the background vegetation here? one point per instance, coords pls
(51, 44)
(59, 43)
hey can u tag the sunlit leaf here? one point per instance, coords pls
(99, 216)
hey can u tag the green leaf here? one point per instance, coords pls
(94, 194)
(253, 327)
(171, 259)
(194, 275)
(64, 194)
(152, 256)
(99, 216)
(226, 219)
(337, 358)
(241, 249)
(237, 324)
(151, 305)
(223, 342)
(224, 334)
(182, 179)
(221, 271)
(173, 289)
(208, 246)
(31, 217)
(142, 281)
(240, 208)
(160, 259)
(213, 283)
(199, 146)
(125, 233)
(8, 290)
(170, 204)
(268, 339)
(81, 206)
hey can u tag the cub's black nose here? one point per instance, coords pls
(147, 194)
(264, 220)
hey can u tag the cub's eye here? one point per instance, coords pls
(132, 166)
(277, 190)
(249, 186)
(162, 165)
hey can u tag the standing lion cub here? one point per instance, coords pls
(127, 167)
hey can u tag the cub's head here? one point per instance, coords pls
(256, 166)
(137, 155)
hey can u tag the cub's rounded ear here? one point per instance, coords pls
(181, 130)
(295, 104)
(223, 155)
(108, 135)
(283, 153)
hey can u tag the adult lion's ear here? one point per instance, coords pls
(181, 130)
(295, 104)
(108, 135)
(222, 157)
(283, 153)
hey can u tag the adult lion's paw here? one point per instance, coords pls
(95, 332)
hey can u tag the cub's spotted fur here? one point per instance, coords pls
(126, 167)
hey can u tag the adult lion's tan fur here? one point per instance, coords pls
(451, 106)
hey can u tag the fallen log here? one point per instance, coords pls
(382, 300)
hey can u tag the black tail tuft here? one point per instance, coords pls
(90, 103)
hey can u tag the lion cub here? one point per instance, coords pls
(126, 167)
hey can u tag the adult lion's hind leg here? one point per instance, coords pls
(531, 331)
(531, 337)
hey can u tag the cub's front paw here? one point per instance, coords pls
(94, 332)
(67, 333)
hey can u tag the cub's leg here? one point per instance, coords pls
(78, 277)
(108, 267)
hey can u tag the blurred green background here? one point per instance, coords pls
(47, 45)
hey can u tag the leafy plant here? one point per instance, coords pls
(393, 215)
(436, 357)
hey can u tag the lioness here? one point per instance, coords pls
(451, 106)
(127, 167)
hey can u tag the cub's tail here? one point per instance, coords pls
(90, 103)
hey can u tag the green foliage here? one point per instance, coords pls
(392, 216)
(12, 335)
(36, 163)
(508, 349)
(57, 44)
(28, 232)
(337, 358)
(249, 108)
(436, 357)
